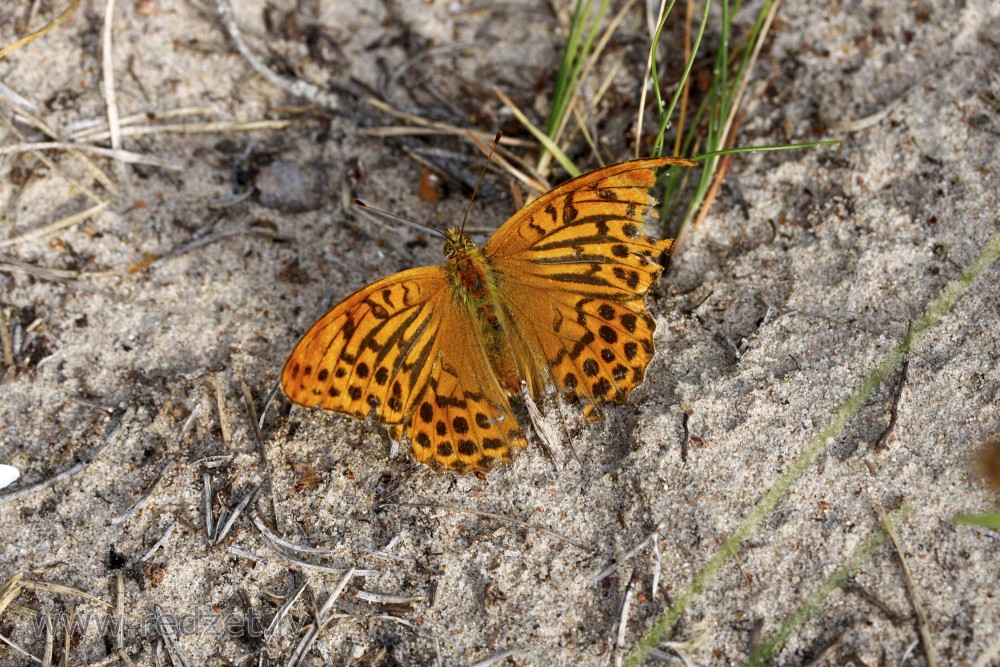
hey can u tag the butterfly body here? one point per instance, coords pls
(474, 281)
(555, 298)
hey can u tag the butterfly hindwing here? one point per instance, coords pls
(463, 420)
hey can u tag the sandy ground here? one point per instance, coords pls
(809, 269)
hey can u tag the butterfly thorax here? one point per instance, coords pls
(474, 281)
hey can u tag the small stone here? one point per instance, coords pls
(291, 188)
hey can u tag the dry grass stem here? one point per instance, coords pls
(60, 589)
(280, 541)
(206, 127)
(292, 86)
(918, 606)
(533, 182)
(442, 128)
(68, 221)
(631, 552)
(88, 164)
(110, 97)
(88, 128)
(167, 466)
(686, 91)
(159, 543)
(581, 124)
(545, 160)
(30, 37)
(10, 590)
(119, 155)
(644, 92)
(388, 598)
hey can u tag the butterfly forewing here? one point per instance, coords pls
(574, 268)
(368, 351)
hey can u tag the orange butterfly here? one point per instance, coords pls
(556, 297)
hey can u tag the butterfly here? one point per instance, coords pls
(555, 298)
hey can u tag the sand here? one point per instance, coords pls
(138, 332)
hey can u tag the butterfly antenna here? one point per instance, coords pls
(413, 223)
(496, 141)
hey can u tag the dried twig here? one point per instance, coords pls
(897, 391)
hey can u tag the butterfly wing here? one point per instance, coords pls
(405, 347)
(462, 419)
(366, 351)
(573, 270)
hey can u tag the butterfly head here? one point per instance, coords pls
(456, 243)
